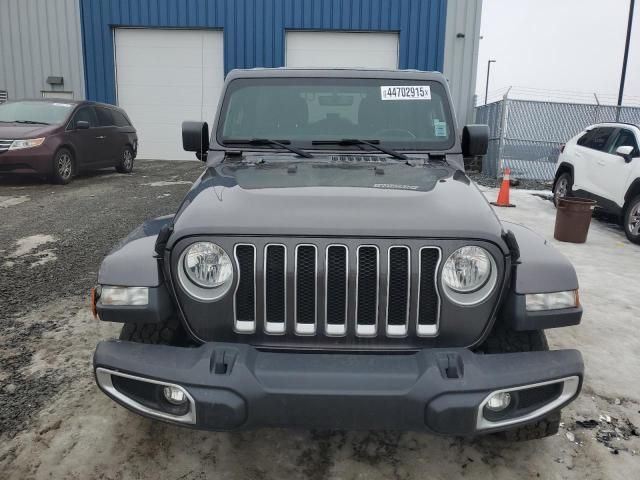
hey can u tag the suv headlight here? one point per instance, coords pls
(469, 275)
(205, 271)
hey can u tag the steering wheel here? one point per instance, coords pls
(402, 131)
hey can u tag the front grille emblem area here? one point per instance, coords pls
(336, 290)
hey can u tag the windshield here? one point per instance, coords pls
(403, 114)
(35, 112)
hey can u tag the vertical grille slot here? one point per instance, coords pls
(398, 284)
(275, 291)
(244, 301)
(428, 297)
(306, 290)
(367, 294)
(336, 289)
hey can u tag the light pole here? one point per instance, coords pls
(486, 90)
(626, 53)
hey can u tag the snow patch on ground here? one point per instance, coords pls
(28, 245)
(166, 183)
(6, 202)
(28, 248)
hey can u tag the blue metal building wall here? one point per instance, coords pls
(254, 30)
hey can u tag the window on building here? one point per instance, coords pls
(56, 94)
(4, 96)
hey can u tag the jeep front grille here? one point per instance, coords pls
(366, 291)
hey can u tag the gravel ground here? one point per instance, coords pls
(55, 423)
(52, 240)
(490, 182)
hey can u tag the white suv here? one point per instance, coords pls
(603, 163)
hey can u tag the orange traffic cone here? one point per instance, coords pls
(503, 195)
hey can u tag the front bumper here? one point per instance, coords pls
(38, 160)
(234, 386)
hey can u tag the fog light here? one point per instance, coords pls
(499, 401)
(174, 395)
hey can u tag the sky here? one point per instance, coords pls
(574, 47)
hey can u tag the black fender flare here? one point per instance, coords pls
(133, 261)
(539, 269)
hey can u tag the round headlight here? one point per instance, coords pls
(467, 269)
(207, 265)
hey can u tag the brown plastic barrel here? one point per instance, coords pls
(573, 218)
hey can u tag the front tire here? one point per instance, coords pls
(63, 166)
(125, 164)
(166, 333)
(631, 219)
(502, 340)
(563, 187)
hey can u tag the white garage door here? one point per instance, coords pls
(165, 77)
(342, 49)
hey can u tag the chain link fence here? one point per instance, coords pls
(526, 135)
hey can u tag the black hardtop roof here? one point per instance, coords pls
(284, 72)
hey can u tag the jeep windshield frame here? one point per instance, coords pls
(316, 113)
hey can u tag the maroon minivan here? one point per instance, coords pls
(59, 138)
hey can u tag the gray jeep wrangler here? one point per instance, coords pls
(333, 267)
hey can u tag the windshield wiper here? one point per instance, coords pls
(286, 144)
(355, 141)
(31, 122)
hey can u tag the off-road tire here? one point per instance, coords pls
(629, 208)
(502, 340)
(545, 427)
(566, 176)
(125, 162)
(63, 166)
(167, 333)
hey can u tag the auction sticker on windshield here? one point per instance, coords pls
(405, 92)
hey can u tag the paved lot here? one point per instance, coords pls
(54, 423)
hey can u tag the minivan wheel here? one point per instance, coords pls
(63, 166)
(125, 165)
(631, 219)
(562, 187)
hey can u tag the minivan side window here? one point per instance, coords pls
(104, 117)
(85, 114)
(119, 119)
(597, 138)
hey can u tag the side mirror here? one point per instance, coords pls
(475, 140)
(82, 125)
(625, 152)
(195, 138)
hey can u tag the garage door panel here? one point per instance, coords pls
(152, 114)
(165, 77)
(157, 37)
(163, 95)
(342, 49)
(179, 77)
(150, 57)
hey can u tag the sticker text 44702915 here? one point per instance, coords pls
(405, 92)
